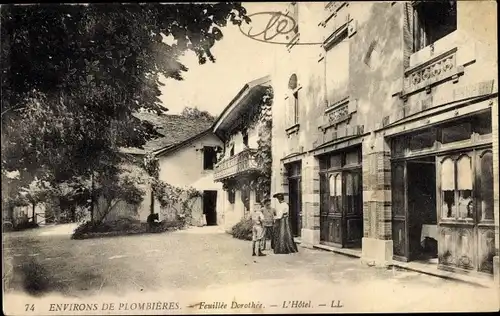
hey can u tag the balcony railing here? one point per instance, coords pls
(233, 166)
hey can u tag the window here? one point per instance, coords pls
(456, 132)
(231, 196)
(231, 152)
(335, 181)
(433, 21)
(294, 88)
(456, 187)
(244, 133)
(337, 68)
(296, 108)
(209, 158)
(486, 186)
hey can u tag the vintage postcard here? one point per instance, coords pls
(250, 158)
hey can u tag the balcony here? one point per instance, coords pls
(241, 163)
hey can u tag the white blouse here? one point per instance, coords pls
(281, 210)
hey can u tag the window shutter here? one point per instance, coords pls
(407, 33)
(289, 110)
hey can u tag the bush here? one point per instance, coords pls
(25, 225)
(123, 227)
(243, 229)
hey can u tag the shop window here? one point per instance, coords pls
(352, 191)
(231, 196)
(482, 124)
(456, 132)
(422, 140)
(448, 187)
(209, 158)
(335, 161)
(456, 187)
(335, 182)
(486, 186)
(352, 158)
(464, 186)
(433, 20)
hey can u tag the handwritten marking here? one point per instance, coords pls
(278, 24)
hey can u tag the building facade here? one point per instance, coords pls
(238, 167)
(186, 153)
(387, 118)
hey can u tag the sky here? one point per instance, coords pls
(239, 59)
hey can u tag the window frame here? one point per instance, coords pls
(211, 149)
(231, 196)
(420, 26)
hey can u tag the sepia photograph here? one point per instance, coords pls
(249, 157)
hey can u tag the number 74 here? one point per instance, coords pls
(30, 307)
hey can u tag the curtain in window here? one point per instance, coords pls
(448, 187)
(464, 173)
(447, 175)
(464, 187)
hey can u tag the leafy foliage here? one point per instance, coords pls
(72, 75)
(197, 114)
(120, 227)
(242, 229)
(118, 188)
(260, 117)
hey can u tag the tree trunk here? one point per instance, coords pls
(73, 214)
(10, 213)
(152, 205)
(111, 205)
(34, 214)
(92, 202)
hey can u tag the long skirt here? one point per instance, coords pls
(283, 238)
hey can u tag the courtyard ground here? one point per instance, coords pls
(206, 265)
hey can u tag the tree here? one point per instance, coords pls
(196, 113)
(36, 192)
(72, 75)
(116, 189)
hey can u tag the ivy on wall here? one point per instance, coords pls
(169, 196)
(259, 117)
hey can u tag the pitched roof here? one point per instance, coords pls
(175, 129)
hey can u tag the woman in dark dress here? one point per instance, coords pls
(283, 238)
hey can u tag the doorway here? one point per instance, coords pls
(422, 214)
(210, 207)
(341, 199)
(295, 194)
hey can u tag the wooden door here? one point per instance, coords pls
(352, 208)
(399, 211)
(331, 210)
(295, 205)
(299, 203)
(483, 208)
(457, 229)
